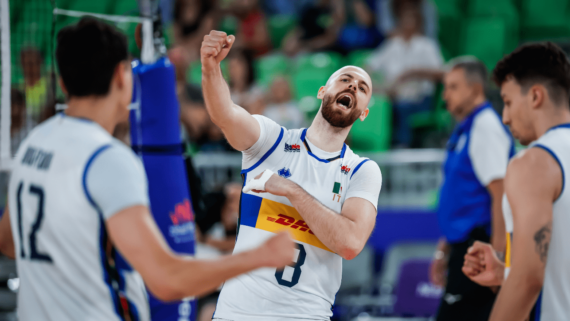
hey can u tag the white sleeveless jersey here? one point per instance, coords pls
(554, 301)
(305, 291)
(60, 238)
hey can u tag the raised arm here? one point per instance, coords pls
(239, 127)
(532, 184)
(6, 240)
(172, 277)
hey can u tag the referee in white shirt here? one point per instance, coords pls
(469, 210)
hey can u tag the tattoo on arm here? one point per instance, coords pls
(542, 241)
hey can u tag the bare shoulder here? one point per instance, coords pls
(534, 170)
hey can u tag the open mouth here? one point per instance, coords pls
(345, 101)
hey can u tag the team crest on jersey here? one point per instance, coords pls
(292, 148)
(344, 169)
(284, 172)
(182, 228)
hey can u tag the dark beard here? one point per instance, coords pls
(335, 117)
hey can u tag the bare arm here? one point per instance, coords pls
(6, 240)
(345, 234)
(532, 184)
(171, 277)
(239, 127)
(498, 234)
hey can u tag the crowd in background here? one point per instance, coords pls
(405, 60)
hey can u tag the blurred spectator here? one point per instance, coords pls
(253, 33)
(386, 13)
(318, 27)
(217, 240)
(281, 108)
(192, 20)
(37, 85)
(243, 90)
(407, 62)
(21, 125)
(359, 26)
(198, 127)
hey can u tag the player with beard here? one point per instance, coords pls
(305, 181)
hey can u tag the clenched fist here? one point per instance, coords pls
(278, 251)
(215, 48)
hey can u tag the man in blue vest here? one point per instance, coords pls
(478, 152)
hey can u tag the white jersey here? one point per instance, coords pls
(306, 290)
(60, 196)
(555, 297)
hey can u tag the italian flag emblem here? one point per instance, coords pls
(337, 189)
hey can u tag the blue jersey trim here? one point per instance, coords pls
(567, 125)
(269, 152)
(250, 205)
(538, 307)
(102, 229)
(89, 162)
(102, 244)
(559, 164)
(303, 133)
(358, 167)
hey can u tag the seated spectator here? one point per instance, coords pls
(253, 34)
(386, 21)
(243, 90)
(40, 103)
(359, 26)
(281, 108)
(406, 62)
(193, 19)
(318, 28)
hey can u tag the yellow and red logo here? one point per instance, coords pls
(275, 217)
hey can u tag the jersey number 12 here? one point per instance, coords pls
(35, 255)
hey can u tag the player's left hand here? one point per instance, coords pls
(482, 265)
(275, 184)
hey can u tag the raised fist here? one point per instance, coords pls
(215, 48)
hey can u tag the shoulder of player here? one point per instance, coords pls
(535, 166)
(362, 166)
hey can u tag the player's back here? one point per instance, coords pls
(65, 263)
(553, 303)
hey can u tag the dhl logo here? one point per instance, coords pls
(182, 213)
(289, 221)
(345, 169)
(274, 217)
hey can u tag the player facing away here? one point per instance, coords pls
(77, 196)
(535, 86)
(306, 181)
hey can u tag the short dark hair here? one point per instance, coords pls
(87, 54)
(475, 71)
(544, 63)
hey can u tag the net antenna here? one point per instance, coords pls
(5, 63)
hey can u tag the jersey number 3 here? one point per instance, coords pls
(35, 255)
(297, 269)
